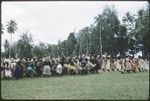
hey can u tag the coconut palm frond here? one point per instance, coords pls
(11, 26)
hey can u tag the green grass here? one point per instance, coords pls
(112, 85)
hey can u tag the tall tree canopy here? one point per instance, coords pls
(11, 28)
(71, 42)
(117, 37)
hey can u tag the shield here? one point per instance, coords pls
(70, 67)
(77, 66)
(91, 64)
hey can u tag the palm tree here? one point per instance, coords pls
(2, 28)
(6, 47)
(99, 20)
(11, 28)
(129, 22)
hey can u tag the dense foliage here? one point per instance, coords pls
(117, 37)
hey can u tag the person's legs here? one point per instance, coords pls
(37, 71)
(133, 71)
(139, 69)
(83, 72)
(128, 71)
(31, 75)
(96, 70)
(143, 70)
(21, 73)
(16, 74)
(108, 70)
(30, 72)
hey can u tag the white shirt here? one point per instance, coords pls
(8, 73)
(59, 68)
(46, 70)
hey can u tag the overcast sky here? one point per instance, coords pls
(50, 21)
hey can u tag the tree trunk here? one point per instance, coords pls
(10, 46)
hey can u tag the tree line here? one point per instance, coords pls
(117, 37)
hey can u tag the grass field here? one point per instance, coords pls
(105, 85)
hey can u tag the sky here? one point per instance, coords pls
(51, 21)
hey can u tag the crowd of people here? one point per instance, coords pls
(36, 67)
